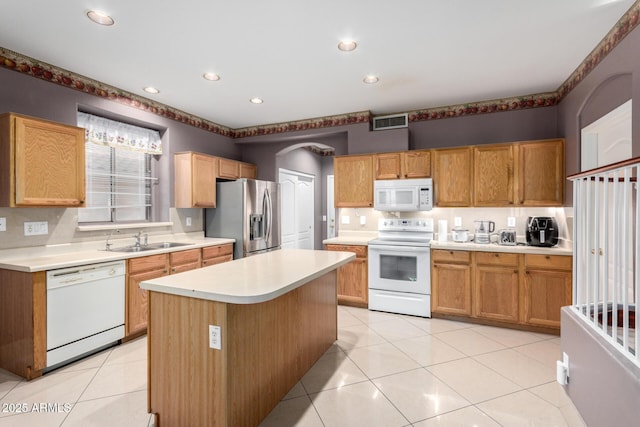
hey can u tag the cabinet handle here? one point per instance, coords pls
(547, 257)
(173, 270)
(497, 255)
(515, 271)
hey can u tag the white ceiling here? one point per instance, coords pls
(427, 53)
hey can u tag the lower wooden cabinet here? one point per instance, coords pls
(216, 254)
(497, 286)
(353, 288)
(547, 287)
(501, 288)
(154, 266)
(451, 282)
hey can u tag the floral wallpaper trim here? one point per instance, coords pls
(20, 63)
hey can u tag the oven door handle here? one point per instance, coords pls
(399, 248)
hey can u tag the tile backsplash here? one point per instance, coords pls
(563, 215)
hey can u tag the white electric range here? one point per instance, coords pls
(400, 266)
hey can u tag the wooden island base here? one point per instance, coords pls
(266, 348)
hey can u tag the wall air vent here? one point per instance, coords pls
(390, 122)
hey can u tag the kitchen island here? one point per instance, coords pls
(227, 342)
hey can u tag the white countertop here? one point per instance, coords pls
(42, 258)
(253, 279)
(352, 238)
(494, 247)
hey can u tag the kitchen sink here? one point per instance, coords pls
(150, 247)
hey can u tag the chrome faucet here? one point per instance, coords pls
(142, 239)
(107, 245)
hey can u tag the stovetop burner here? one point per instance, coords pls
(404, 232)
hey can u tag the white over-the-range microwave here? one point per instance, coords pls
(403, 195)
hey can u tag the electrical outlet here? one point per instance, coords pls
(457, 221)
(363, 220)
(188, 221)
(3, 224)
(511, 221)
(215, 337)
(36, 228)
(345, 219)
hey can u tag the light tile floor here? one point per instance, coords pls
(385, 370)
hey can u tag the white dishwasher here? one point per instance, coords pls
(85, 310)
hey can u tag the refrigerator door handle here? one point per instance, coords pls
(268, 214)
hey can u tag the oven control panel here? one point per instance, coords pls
(405, 224)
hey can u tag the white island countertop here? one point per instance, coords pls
(254, 279)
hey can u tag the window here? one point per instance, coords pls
(118, 171)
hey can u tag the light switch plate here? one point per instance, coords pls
(363, 220)
(36, 228)
(511, 221)
(215, 338)
(3, 224)
(188, 221)
(457, 221)
(345, 219)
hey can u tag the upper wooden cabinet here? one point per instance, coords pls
(406, 164)
(540, 173)
(195, 180)
(452, 175)
(42, 163)
(493, 183)
(233, 169)
(353, 182)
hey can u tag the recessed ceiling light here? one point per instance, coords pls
(211, 76)
(347, 45)
(150, 89)
(100, 17)
(370, 80)
(256, 100)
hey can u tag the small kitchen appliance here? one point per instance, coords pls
(542, 231)
(403, 195)
(483, 232)
(507, 237)
(460, 235)
(400, 266)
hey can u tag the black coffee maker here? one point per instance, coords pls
(542, 231)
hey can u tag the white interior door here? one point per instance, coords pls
(297, 209)
(331, 209)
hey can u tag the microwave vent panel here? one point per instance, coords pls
(390, 122)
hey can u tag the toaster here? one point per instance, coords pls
(542, 231)
(507, 237)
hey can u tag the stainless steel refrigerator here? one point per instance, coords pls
(247, 210)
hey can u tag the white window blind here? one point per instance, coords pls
(118, 176)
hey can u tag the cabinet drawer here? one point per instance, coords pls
(217, 260)
(184, 257)
(360, 251)
(555, 262)
(216, 251)
(147, 263)
(496, 258)
(448, 256)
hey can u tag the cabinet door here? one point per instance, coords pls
(388, 165)
(496, 293)
(541, 177)
(49, 164)
(453, 171)
(137, 310)
(353, 182)
(352, 284)
(545, 292)
(195, 180)
(185, 260)
(451, 289)
(248, 170)
(416, 164)
(229, 169)
(493, 175)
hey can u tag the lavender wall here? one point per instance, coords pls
(20, 93)
(615, 80)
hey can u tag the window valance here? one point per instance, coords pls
(120, 135)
